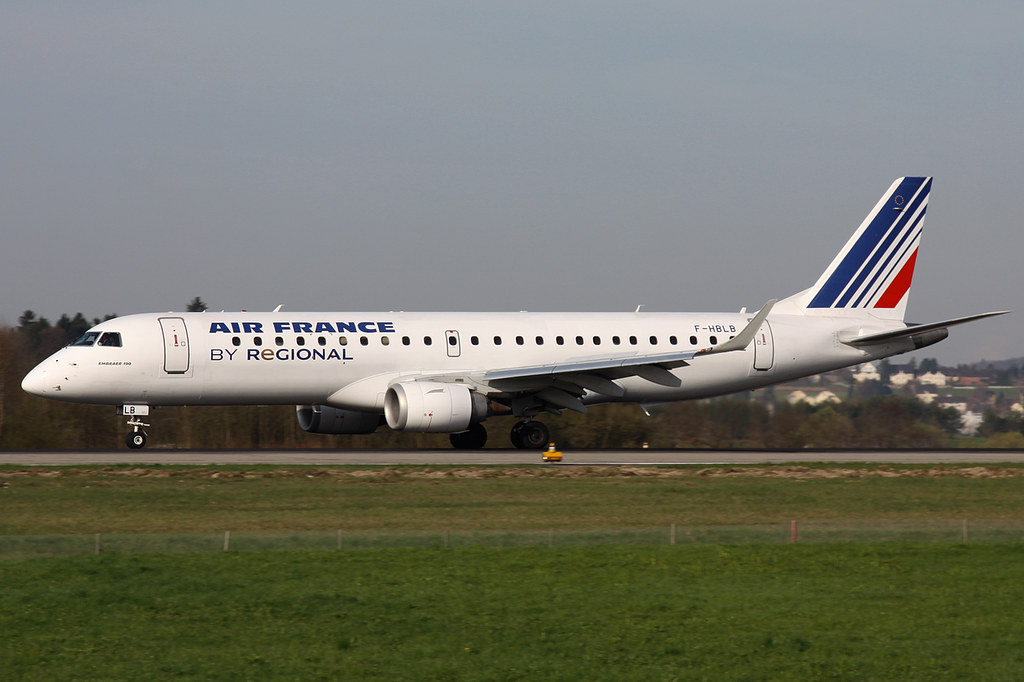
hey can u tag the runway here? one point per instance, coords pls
(639, 457)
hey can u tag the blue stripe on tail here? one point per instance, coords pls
(893, 229)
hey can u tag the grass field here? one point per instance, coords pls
(184, 499)
(752, 612)
(755, 611)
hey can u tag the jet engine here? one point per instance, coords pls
(433, 407)
(324, 419)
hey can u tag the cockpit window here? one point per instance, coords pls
(112, 339)
(87, 339)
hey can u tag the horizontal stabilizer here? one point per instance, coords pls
(915, 330)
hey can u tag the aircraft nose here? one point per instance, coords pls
(40, 381)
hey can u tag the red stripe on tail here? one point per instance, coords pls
(894, 294)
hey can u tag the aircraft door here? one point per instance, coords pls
(176, 354)
(764, 348)
(452, 341)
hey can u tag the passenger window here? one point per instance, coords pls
(540, 340)
(89, 338)
(616, 340)
(406, 340)
(343, 340)
(235, 341)
(632, 340)
(474, 340)
(257, 341)
(384, 341)
(300, 340)
(427, 341)
(111, 339)
(363, 341)
(321, 340)
(673, 340)
(279, 341)
(693, 340)
(654, 340)
(579, 340)
(714, 340)
(519, 340)
(497, 340)
(597, 340)
(560, 340)
(452, 341)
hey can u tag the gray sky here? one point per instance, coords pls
(503, 156)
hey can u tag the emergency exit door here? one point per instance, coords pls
(452, 341)
(176, 354)
(764, 348)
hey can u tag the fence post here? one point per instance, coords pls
(551, 537)
(227, 540)
(672, 536)
(792, 528)
(339, 538)
(965, 530)
(98, 546)
(447, 540)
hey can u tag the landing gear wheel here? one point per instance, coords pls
(137, 438)
(530, 435)
(472, 439)
(517, 441)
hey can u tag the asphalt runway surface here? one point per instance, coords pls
(639, 457)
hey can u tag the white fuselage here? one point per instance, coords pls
(348, 360)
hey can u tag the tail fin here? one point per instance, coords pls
(872, 274)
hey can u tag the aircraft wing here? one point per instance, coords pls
(562, 385)
(916, 330)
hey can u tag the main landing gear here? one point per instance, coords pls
(527, 434)
(472, 439)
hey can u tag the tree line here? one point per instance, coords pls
(749, 420)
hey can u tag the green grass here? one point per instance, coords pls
(603, 603)
(751, 612)
(194, 500)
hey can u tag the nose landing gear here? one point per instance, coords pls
(137, 438)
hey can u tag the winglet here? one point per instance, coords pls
(743, 339)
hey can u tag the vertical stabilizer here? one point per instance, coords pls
(871, 275)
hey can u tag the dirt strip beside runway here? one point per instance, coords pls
(640, 457)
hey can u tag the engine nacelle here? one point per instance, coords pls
(325, 419)
(433, 407)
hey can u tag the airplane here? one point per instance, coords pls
(351, 373)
